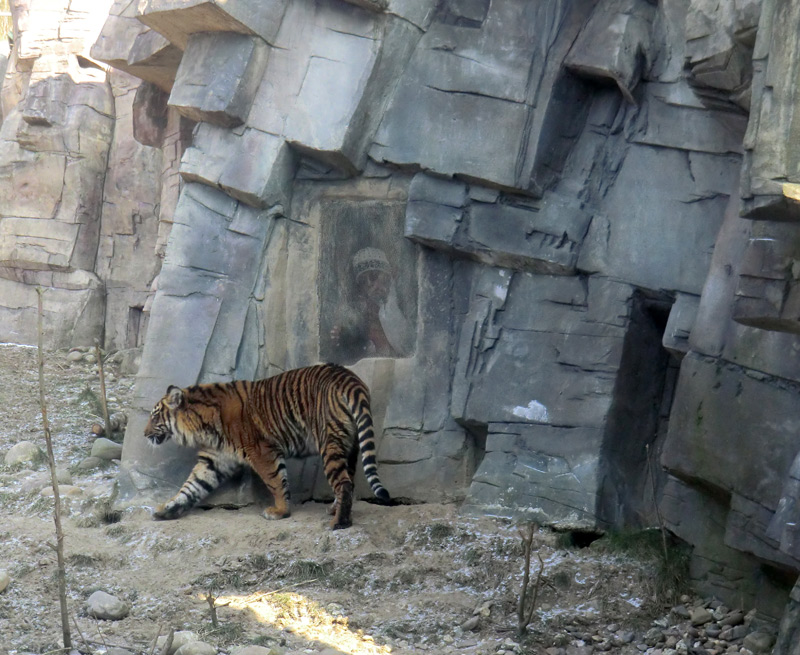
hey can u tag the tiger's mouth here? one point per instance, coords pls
(157, 438)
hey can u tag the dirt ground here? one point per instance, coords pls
(404, 579)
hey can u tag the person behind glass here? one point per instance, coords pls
(376, 325)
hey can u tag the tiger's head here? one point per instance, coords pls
(164, 418)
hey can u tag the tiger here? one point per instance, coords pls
(323, 409)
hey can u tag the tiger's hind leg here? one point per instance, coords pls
(208, 474)
(272, 470)
(352, 463)
(339, 458)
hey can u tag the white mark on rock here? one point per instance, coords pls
(535, 411)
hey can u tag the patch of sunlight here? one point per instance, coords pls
(306, 618)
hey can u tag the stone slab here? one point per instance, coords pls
(177, 20)
(202, 92)
(717, 410)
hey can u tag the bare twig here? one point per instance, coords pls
(51, 461)
(524, 617)
(101, 372)
(77, 627)
(662, 526)
(213, 609)
(168, 643)
(536, 587)
(100, 633)
(155, 639)
(282, 589)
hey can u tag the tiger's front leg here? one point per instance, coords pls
(272, 470)
(208, 474)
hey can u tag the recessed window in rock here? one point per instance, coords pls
(134, 336)
(367, 282)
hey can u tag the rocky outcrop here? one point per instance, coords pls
(76, 191)
(577, 221)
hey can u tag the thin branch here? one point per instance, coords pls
(102, 374)
(51, 460)
(527, 546)
(168, 643)
(212, 608)
(282, 589)
(155, 640)
(80, 634)
(100, 632)
(536, 587)
(660, 519)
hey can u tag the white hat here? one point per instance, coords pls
(370, 259)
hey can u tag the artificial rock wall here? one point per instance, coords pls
(558, 240)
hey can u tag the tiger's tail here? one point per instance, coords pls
(366, 442)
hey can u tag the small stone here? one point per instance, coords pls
(179, 638)
(758, 642)
(196, 648)
(105, 606)
(471, 623)
(700, 616)
(90, 463)
(736, 617)
(64, 491)
(733, 634)
(24, 452)
(721, 612)
(75, 356)
(680, 612)
(39, 481)
(653, 636)
(5, 580)
(256, 650)
(106, 449)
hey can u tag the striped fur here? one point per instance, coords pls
(322, 409)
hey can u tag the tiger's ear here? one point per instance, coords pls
(174, 398)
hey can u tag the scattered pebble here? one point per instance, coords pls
(106, 449)
(179, 638)
(196, 648)
(105, 606)
(24, 452)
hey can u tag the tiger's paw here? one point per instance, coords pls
(273, 514)
(168, 511)
(341, 524)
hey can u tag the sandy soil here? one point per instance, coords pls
(403, 579)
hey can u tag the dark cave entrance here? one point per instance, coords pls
(632, 477)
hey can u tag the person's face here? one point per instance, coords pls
(374, 285)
